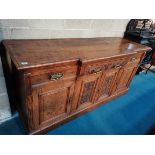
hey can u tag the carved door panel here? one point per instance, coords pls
(124, 78)
(84, 91)
(105, 86)
(54, 101)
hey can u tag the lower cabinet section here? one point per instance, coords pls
(57, 100)
(95, 88)
(53, 100)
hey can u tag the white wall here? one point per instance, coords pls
(53, 28)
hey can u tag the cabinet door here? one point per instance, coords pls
(124, 78)
(54, 100)
(84, 91)
(104, 88)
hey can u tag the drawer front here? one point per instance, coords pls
(134, 60)
(116, 63)
(54, 75)
(95, 68)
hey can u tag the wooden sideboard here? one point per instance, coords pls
(54, 81)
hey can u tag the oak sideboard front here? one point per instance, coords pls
(53, 81)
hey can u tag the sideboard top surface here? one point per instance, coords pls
(39, 52)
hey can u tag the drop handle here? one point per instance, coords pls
(133, 59)
(117, 66)
(96, 71)
(56, 76)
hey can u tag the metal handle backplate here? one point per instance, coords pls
(55, 76)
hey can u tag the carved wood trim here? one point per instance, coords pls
(106, 85)
(87, 92)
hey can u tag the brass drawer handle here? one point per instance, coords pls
(133, 59)
(117, 66)
(55, 76)
(96, 71)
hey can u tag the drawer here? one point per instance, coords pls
(134, 59)
(114, 63)
(97, 67)
(54, 75)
